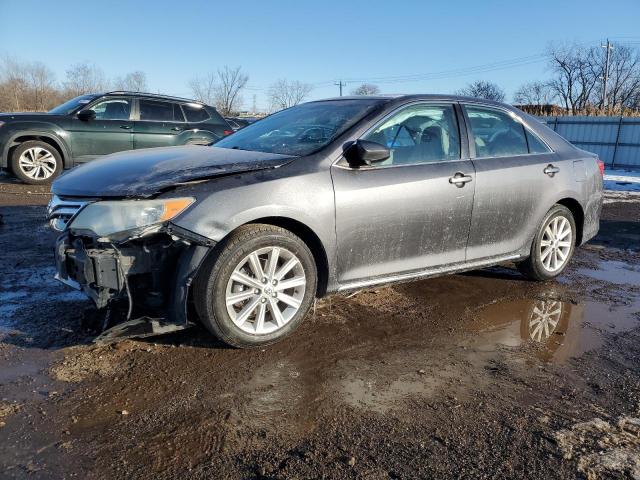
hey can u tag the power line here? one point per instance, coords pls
(340, 84)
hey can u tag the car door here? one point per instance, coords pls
(109, 132)
(158, 124)
(412, 212)
(512, 181)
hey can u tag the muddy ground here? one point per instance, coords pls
(461, 376)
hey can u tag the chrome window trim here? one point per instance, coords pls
(513, 156)
(366, 168)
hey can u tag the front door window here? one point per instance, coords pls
(114, 109)
(419, 134)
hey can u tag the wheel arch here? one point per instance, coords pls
(578, 215)
(47, 137)
(311, 239)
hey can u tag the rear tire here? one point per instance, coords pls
(256, 287)
(552, 247)
(36, 162)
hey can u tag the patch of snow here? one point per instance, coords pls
(622, 180)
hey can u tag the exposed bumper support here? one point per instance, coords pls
(153, 275)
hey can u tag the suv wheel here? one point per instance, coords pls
(257, 287)
(552, 247)
(36, 162)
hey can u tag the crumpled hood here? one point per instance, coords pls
(143, 173)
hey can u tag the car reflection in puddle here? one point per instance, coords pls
(557, 329)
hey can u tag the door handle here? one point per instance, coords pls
(551, 170)
(459, 179)
(177, 129)
(125, 127)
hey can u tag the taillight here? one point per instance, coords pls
(601, 166)
(229, 132)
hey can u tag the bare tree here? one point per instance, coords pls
(13, 86)
(366, 89)
(624, 77)
(132, 82)
(27, 86)
(230, 83)
(483, 89)
(284, 94)
(533, 93)
(203, 88)
(84, 78)
(576, 75)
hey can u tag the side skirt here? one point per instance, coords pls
(434, 272)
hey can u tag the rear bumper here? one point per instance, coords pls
(152, 275)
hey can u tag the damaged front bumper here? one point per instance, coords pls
(149, 274)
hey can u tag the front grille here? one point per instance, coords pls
(61, 211)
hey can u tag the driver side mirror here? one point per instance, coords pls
(86, 115)
(364, 152)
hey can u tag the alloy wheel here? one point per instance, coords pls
(555, 244)
(37, 163)
(265, 290)
(544, 319)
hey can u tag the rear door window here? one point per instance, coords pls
(496, 133)
(152, 110)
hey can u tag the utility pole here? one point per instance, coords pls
(609, 47)
(340, 84)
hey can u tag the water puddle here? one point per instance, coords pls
(31, 290)
(612, 271)
(559, 330)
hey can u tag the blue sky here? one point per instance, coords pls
(317, 42)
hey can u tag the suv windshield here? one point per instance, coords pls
(72, 105)
(300, 130)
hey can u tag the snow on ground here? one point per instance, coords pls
(622, 180)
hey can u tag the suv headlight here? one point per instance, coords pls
(109, 217)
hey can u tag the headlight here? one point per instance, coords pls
(106, 218)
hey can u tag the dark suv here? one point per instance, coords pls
(35, 147)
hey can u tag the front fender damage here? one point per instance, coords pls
(141, 284)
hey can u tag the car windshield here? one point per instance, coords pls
(300, 130)
(72, 105)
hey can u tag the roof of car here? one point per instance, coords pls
(413, 96)
(153, 95)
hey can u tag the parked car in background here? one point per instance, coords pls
(234, 124)
(240, 122)
(326, 196)
(36, 147)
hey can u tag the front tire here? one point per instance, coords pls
(256, 287)
(36, 163)
(552, 247)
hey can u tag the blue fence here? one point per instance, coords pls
(616, 140)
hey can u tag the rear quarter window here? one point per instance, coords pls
(535, 144)
(195, 113)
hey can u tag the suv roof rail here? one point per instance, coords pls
(153, 95)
